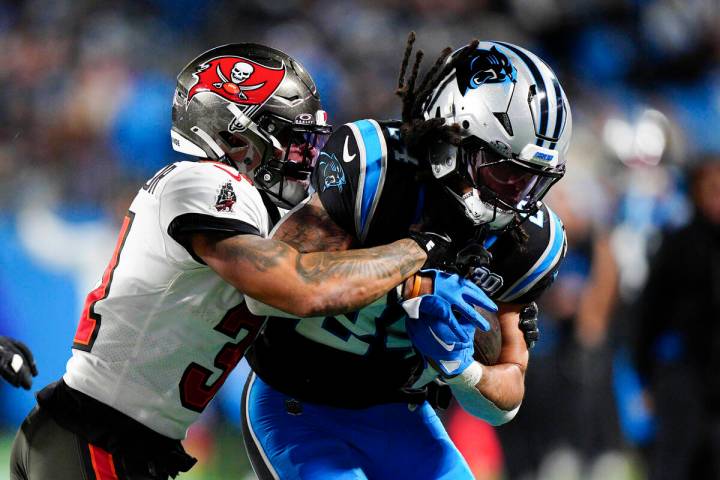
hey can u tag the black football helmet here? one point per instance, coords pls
(255, 108)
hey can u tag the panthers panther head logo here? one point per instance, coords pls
(485, 66)
(331, 172)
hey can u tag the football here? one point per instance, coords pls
(487, 344)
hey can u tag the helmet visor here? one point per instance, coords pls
(304, 148)
(514, 184)
(300, 142)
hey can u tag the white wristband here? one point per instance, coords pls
(470, 377)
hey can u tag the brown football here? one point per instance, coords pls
(487, 344)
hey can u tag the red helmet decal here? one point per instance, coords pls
(238, 79)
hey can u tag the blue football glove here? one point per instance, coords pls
(442, 325)
(443, 340)
(462, 296)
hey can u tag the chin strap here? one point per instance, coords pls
(478, 211)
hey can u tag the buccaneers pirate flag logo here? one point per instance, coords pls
(238, 79)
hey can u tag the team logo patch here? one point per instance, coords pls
(237, 79)
(226, 198)
(485, 66)
(331, 172)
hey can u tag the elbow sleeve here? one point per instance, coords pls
(478, 406)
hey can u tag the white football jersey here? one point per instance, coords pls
(161, 331)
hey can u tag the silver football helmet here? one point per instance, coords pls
(516, 125)
(255, 108)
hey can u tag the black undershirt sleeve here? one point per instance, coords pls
(183, 226)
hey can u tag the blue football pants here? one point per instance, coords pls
(288, 439)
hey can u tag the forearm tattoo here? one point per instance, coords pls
(263, 259)
(310, 229)
(381, 262)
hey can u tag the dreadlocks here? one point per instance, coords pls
(418, 133)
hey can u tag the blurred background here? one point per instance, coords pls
(622, 385)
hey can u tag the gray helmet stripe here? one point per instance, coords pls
(542, 89)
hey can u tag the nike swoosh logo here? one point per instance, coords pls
(347, 158)
(446, 346)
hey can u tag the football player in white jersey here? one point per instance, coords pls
(167, 323)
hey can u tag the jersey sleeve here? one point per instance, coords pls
(363, 187)
(210, 197)
(350, 174)
(528, 270)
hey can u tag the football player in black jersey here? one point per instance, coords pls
(483, 137)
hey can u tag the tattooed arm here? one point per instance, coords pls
(309, 284)
(310, 229)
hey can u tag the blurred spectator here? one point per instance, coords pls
(678, 338)
(567, 421)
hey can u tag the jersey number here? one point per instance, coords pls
(89, 325)
(375, 325)
(195, 392)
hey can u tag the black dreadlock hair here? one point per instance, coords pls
(418, 133)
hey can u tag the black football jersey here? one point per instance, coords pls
(367, 183)
(373, 189)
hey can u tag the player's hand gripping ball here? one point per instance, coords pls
(487, 343)
(442, 322)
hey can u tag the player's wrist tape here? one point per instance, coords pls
(470, 377)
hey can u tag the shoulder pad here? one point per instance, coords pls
(350, 175)
(533, 265)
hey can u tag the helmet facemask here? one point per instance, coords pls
(285, 169)
(494, 189)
